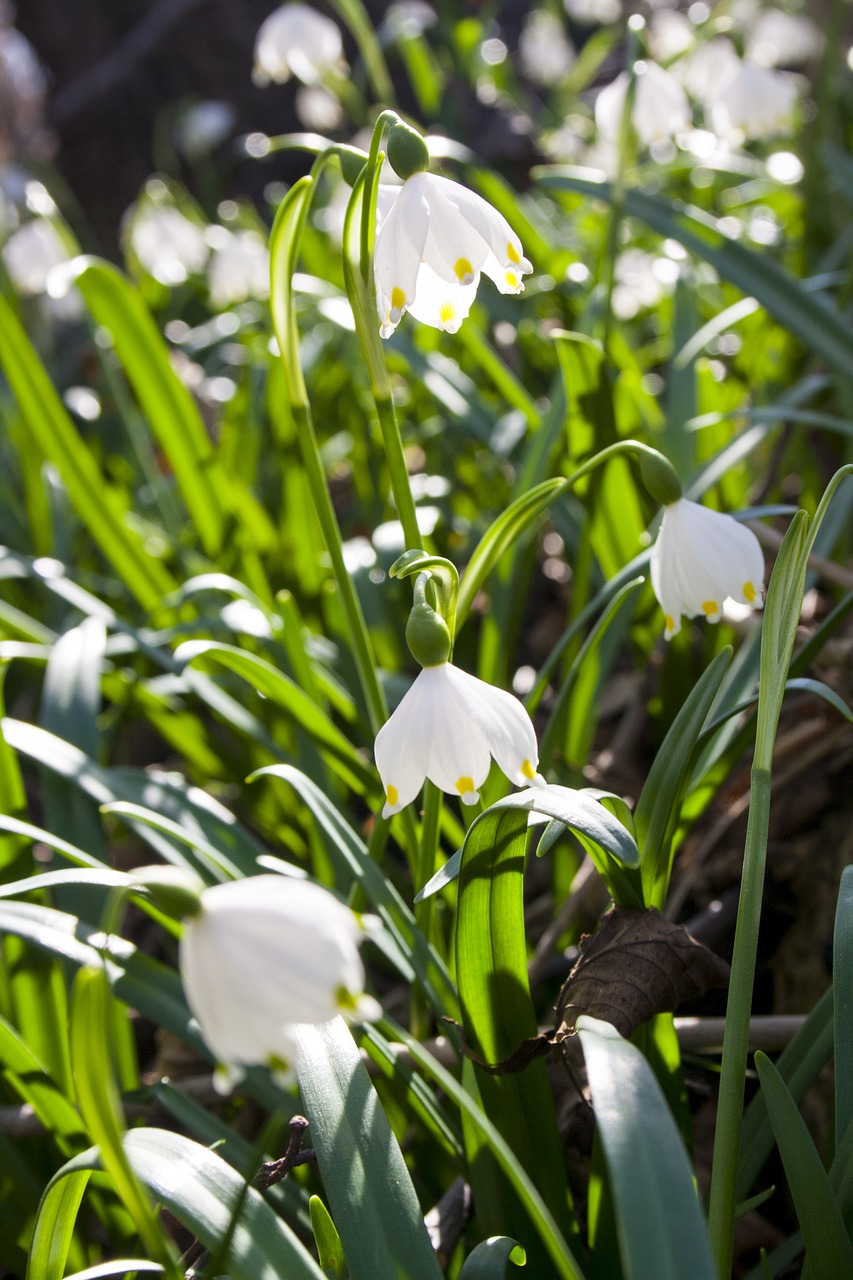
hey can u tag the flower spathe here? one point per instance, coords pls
(262, 955)
(700, 559)
(448, 728)
(434, 241)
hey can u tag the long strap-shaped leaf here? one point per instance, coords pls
(56, 437)
(662, 1233)
(813, 320)
(373, 1202)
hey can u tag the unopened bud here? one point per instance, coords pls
(407, 151)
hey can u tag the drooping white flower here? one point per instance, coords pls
(660, 106)
(167, 244)
(780, 39)
(239, 267)
(432, 244)
(295, 40)
(670, 33)
(31, 253)
(544, 50)
(700, 559)
(756, 102)
(711, 66)
(448, 728)
(263, 954)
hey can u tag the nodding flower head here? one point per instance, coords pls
(435, 239)
(701, 558)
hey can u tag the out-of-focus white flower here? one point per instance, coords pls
(711, 66)
(239, 267)
(660, 106)
(592, 12)
(641, 280)
(700, 559)
(409, 18)
(670, 33)
(435, 238)
(31, 253)
(318, 109)
(262, 955)
(295, 40)
(545, 52)
(448, 728)
(169, 246)
(780, 39)
(203, 126)
(756, 102)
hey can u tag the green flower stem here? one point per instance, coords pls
(356, 17)
(498, 372)
(529, 507)
(358, 276)
(284, 246)
(778, 632)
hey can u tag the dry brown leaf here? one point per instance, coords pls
(635, 966)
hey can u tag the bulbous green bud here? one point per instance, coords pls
(407, 151)
(427, 636)
(352, 161)
(660, 477)
(173, 890)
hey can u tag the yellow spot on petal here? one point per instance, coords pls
(392, 795)
(464, 785)
(447, 312)
(528, 770)
(398, 298)
(710, 607)
(750, 592)
(464, 271)
(511, 278)
(512, 253)
(670, 622)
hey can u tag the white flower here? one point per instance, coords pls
(755, 102)
(432, 245)
(701, 558)
(712, 65)
(779, 39)
(169, 246)
(295, 40)
(670, 33)
(31, 253)
(447, 728)
(239, 267)
(660, 105)
(544, 51)
(263, 954)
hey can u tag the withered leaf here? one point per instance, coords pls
(636, 965)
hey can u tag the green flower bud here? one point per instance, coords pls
(352, 161)
(175, 891)
(660, 477)
(407, 151)
(427, 636)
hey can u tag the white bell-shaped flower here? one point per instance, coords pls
(166, 243)
(544, 50)
(660, 110)
(780, 39)
(295, 40)
(31, 253)
(756, 102)
(262, 955)
(712, 65)
(448, 728)
(239, 267)
(432, 245)
(700, 559)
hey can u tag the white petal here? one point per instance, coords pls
(398, 254)
(459, 756)
(504, 723)
(401, 749)
(504, 263)
(442, 304)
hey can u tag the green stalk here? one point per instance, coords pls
(285, 239)
(779, 628)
